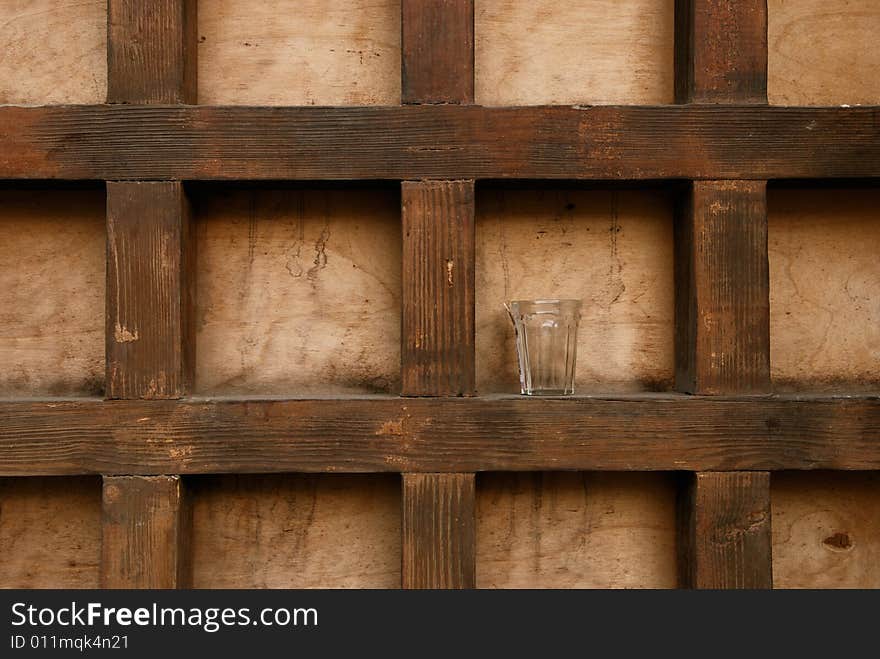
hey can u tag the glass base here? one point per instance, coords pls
(548, 392)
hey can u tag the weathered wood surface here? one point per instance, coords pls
(578, 51)
(296, 531)
(438, 141)
(151, 55)
(437, 51)
(437, 348)
(822, 52)
(52, 292)
(659, 432)
(53, 52)
(824, 289)
(826, 530)
(50, 532)
(298, 291)
(147, 527)
(150, 290)
(722, 289)
(587, 244)
(576, 530)
(724, 531)
(438, 531)
(299, 52)
(721, 51)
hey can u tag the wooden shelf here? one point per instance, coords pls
(390, 434)
(441, 141)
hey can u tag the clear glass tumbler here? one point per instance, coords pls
(546, 344)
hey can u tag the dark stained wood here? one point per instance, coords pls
(437, 351)
(438, 526)
(725, 531)
(721, 51)
(643, 433)
(722, 289)
(151, 51)
(150, 290)
(146, 533)
(438, 141)
(437, 51)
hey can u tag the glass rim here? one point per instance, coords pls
(543, 301)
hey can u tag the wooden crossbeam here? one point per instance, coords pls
(389, 434)
(109, 142)
(150, 338)
(146, 523)
(439, 537)
(722, 309)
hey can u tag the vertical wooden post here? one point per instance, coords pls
(151, 58)
(722, 289)
(438, 531)
(146, 533)
(437, 339)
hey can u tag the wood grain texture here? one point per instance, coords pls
(437, 51)
(438, 141)
(587, 244)
(721, 51)
(53, 52)
(437, 342)
(299, 52)
(822, 52)
(50, 532)
(150, 290)
(438, 531)
(296, 531)
(722, 289)
(151, 52)
(724, 527)
(579, 51)
(642, 433)
(52, 292)
(576, 530)
(147, 525)
(298, 291)
(824, 289)
(826, 530)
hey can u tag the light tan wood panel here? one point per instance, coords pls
(52, 282)
(826, 530)
(568, 530)
(298, 291)
(613, 249)
(296, 532)
(824, 289)
(53, 51)
(299, 52)
(50, 532)
(579, 51)
(823, 52)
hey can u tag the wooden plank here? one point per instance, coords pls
(146, 533)
(437, 51)
(438, 141)
(721, 51)
(725, 531)
(150, 290)
(641, 433)
(438, 531)
(722, 289)
(437, 341)
(151, 53)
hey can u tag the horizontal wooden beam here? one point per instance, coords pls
(116, 142)
(389, 434)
